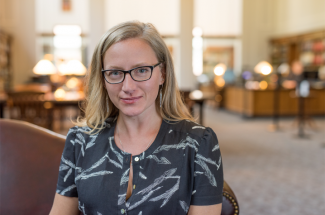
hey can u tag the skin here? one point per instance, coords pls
(138, 122)
(64, 205)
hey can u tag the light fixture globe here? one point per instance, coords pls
(263, 68)
(197, 32)
(72, 67)
(220, 69)
(44, 67)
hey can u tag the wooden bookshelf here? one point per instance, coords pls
(5, 76)
(309, 48)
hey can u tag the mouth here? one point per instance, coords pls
(130, 100)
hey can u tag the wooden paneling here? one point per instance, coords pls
(288, 103)
(234, 99)
(261, 102)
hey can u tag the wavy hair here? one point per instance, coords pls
(97, 106)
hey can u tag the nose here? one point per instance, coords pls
(129, 84)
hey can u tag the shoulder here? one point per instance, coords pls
(87, 131)
(82, 138)
(191, 128)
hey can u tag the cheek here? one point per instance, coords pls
(153, 90)
(155, 83)
(111, 91)
(107, 88)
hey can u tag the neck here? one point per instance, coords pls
(135, 135)
(138, 126)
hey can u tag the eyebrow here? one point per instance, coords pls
(134, 66)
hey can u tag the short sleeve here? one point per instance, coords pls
(66, 184)
(208, 171)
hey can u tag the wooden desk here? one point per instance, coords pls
(73, 99)
(51, 104)
(261, 102)
(200, 97)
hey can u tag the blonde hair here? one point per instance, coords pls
(97, 105)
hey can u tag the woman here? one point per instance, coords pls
(137, 151)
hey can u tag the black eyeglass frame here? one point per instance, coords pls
(129, 72)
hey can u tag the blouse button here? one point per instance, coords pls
(122, 211)
(136, 159)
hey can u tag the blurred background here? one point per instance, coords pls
(253, 70)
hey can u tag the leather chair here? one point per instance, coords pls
(229, 202)
(29, 163)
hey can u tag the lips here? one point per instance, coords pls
(130, 100)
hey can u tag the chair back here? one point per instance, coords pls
(29, 163)
(229, 202)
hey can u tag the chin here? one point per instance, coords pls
(131, 113)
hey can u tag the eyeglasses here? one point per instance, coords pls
(142, 73)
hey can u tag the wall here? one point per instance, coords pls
(18, 19)
(49, 14)
(263, 20)
(184, 75)
(218, 17)
(164, 14)
(257, 27)
(96, 26)
(298, 16)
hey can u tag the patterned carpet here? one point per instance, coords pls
(271, 173)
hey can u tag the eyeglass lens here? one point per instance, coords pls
(138, 74)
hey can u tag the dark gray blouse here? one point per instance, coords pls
(182, 167)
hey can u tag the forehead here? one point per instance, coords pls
(128, 53)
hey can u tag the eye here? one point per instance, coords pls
(143, 70)
(114, 73)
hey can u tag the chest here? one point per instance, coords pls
(153, 180)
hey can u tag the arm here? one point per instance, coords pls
(66, 197)
(206, 210)
(207, 198)
(64, 205)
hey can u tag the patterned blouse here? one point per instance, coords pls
(182, 167)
